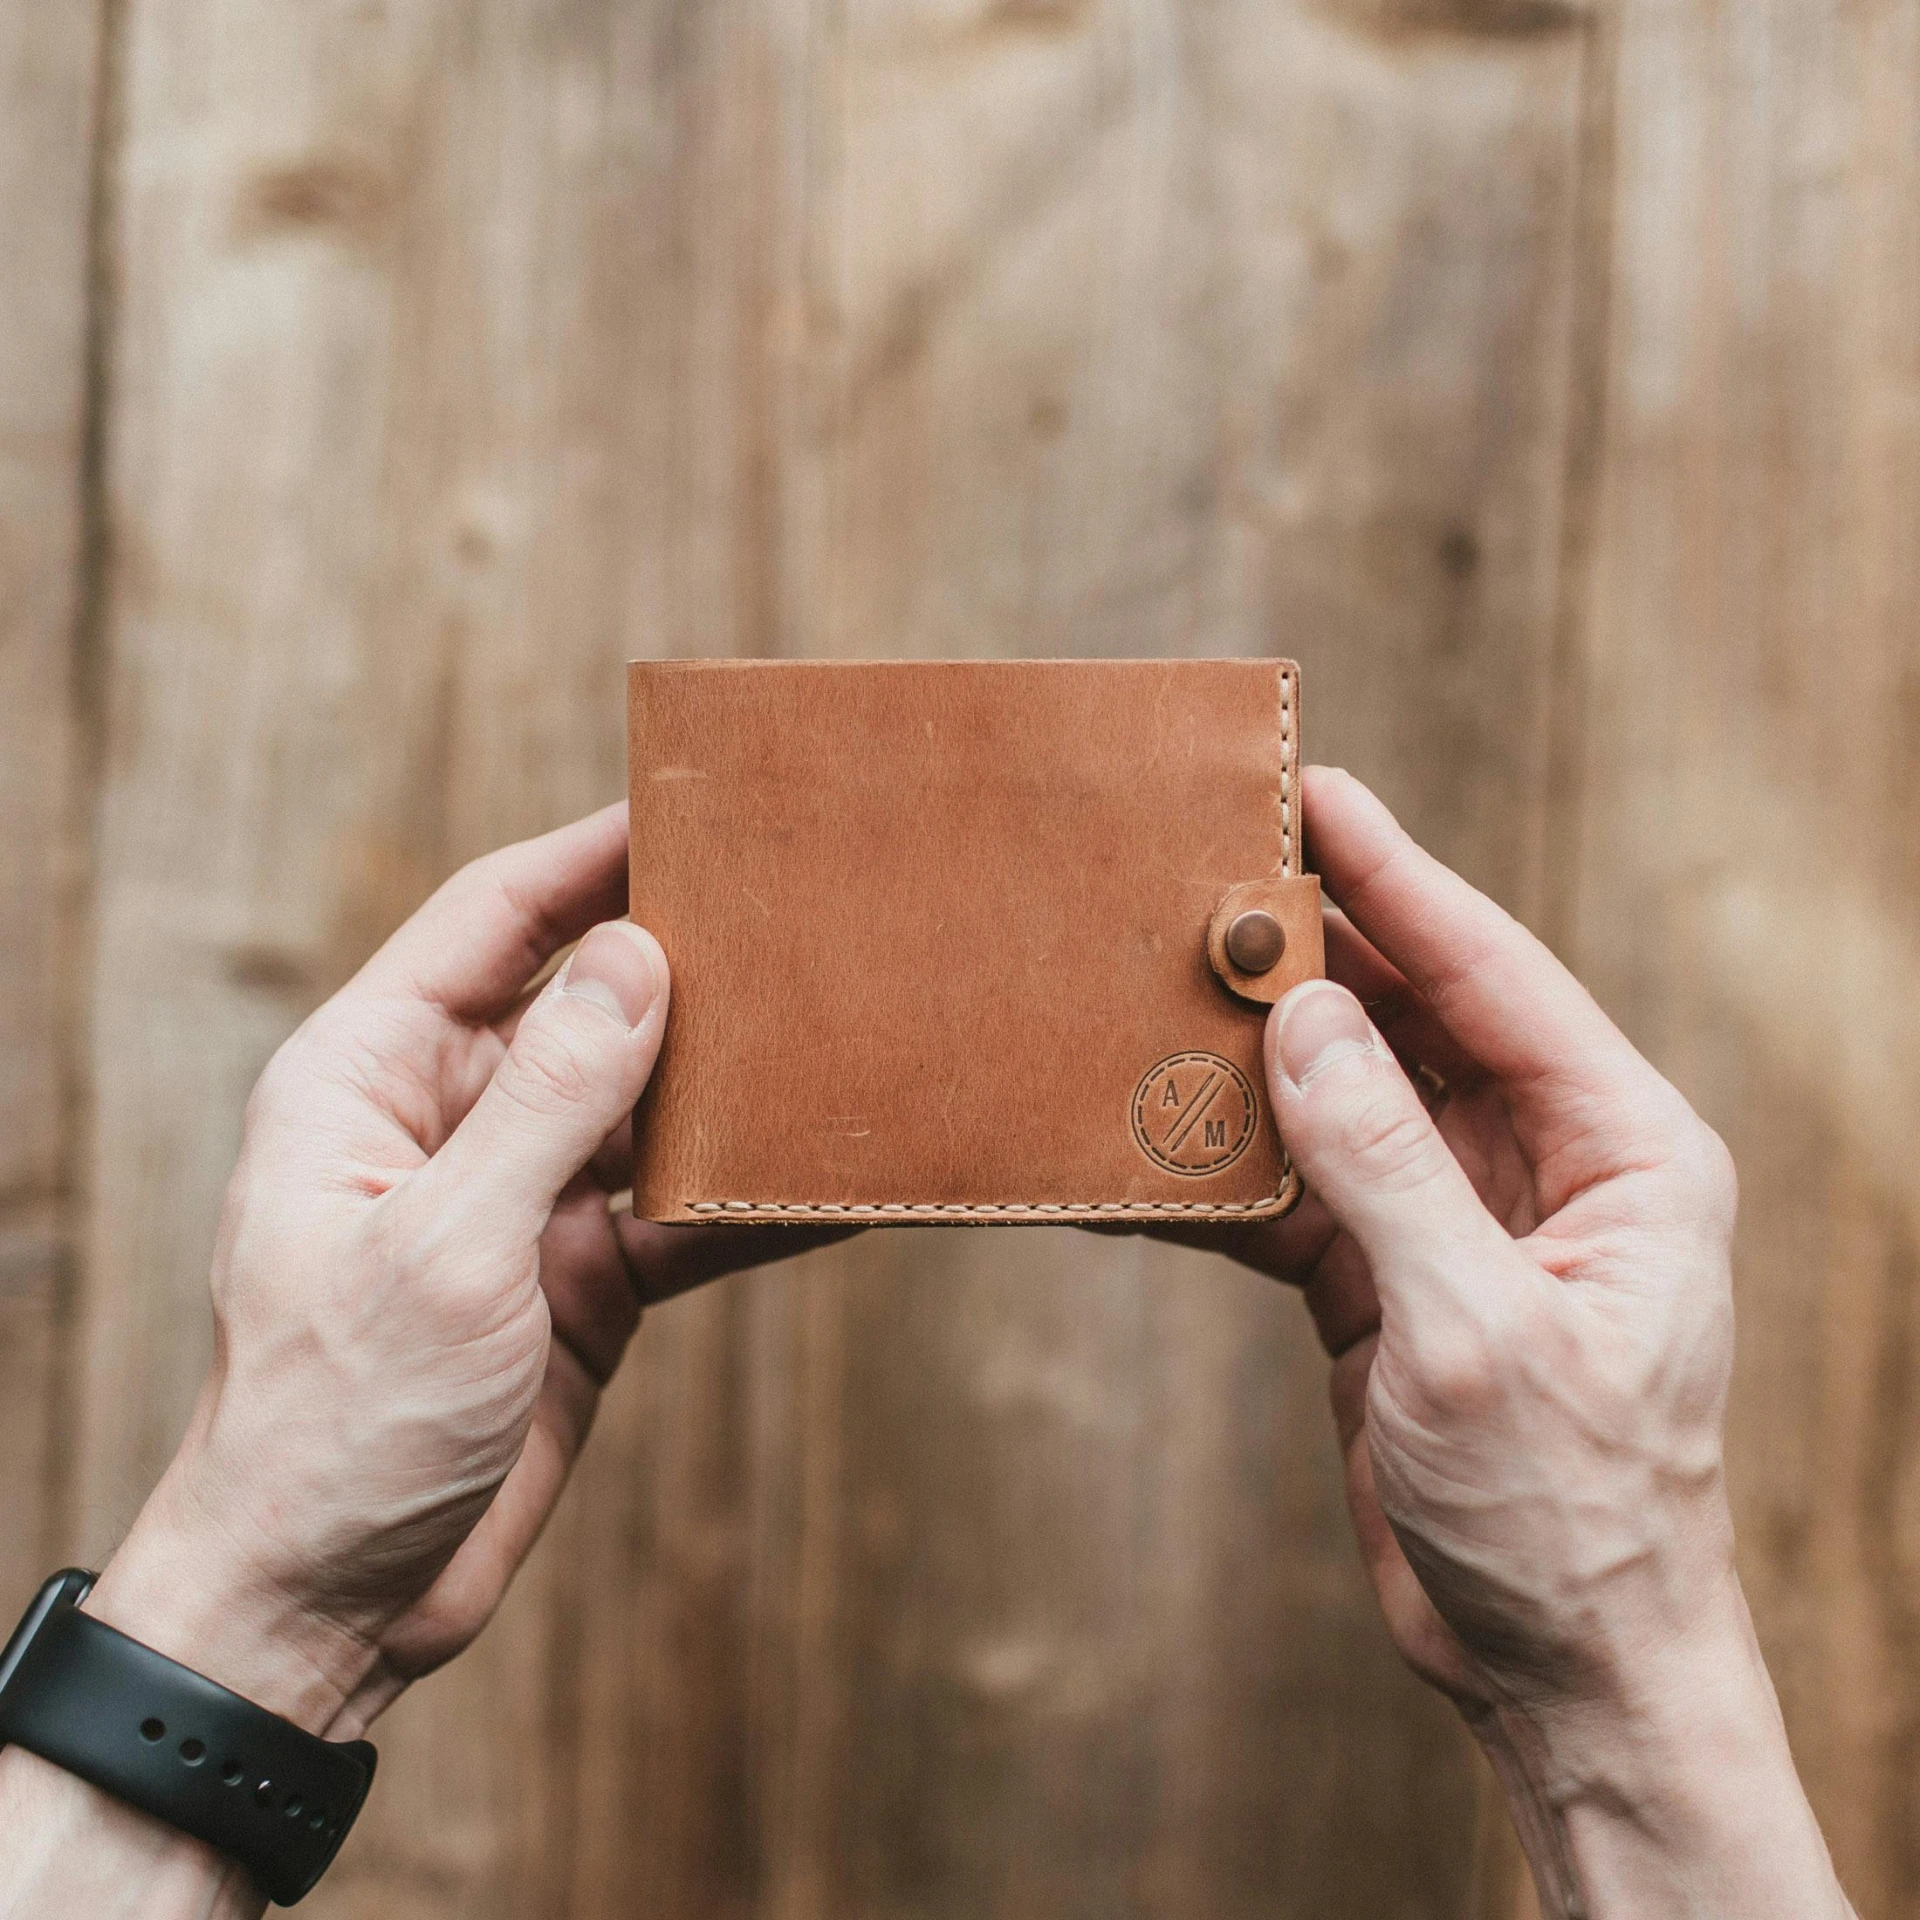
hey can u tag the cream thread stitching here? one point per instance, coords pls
(1075, 1210)
(1286, 773)
(1041, 1209)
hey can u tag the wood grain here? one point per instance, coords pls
(49, 71)
(1005, 1575)
(1541, 375)
(1750, 881)
(1072, 1622)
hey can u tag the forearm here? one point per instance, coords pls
(65, 1847)
(1676, 1801)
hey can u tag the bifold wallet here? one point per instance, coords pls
(967, 941)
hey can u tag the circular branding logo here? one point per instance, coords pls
(1194, 1113)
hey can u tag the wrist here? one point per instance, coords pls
(182, 1584)
(187, 1586)
(1673, 1791)
(73, 1849)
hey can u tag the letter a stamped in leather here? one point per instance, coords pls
(967, 942)
(1194, 1113)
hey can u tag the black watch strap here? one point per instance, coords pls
(176, 1745)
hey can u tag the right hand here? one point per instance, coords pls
(1515, 1248)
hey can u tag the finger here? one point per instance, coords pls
(1404, 1020)
(1425, 1641)
(1305, 1249)
(507, 1024)
(1340, 1296)
(591, 1300)
(470, 1587)
(577, 1064)
(1283, 1249)
(1496, 990)
(664, 1260)
(612, 1162)
(1368, 1148)
(475, 945)
(1379, 1547)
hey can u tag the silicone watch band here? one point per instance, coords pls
(177, 1745)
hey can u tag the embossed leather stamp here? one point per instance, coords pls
(1194, 1113)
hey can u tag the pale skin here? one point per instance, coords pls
(1515, 1250)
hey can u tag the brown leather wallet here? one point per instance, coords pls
(967, 942)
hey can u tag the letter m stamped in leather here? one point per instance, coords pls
(967, 942)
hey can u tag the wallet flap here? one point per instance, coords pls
(939, 934)
(1266, 937)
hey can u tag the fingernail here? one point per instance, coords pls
(614, 968)
(1319, 1026)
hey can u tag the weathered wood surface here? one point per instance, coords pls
(48, 75)
(1542, 376)
(1749, 889)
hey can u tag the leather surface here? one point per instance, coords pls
(939, 936)
(1294, 901)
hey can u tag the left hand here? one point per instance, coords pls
(419, 1291)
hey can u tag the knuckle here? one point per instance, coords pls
(276, 1092)
(1711, 1165)
(1470, 1368)
(431, 1265)
(1387, 1140)
(477, 881)
(1701, 1176)
(1461, 1375)
(1446, 1378)
(545, 1070)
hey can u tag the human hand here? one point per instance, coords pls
(419, 1291)
(1515, 1248)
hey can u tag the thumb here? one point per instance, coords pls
(578, 1062)
(1363, 1142)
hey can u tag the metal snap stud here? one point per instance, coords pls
(1255, 942)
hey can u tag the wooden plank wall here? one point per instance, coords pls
(49, 78)
(1748, 895)
(1542, 374)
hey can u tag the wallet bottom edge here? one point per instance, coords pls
(1190, 1213)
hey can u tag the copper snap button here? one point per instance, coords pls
(1255, 942)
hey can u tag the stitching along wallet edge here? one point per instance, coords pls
(967, 942)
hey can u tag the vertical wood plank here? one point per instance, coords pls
(946, 1574)
(49, 67)
(1750, 896)
(457, 323)
(1073, 1623)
